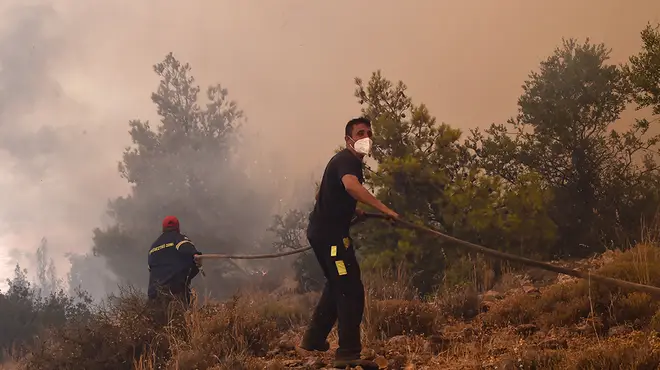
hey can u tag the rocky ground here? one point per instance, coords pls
(556, 334)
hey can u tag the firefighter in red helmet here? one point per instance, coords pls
(173, 263)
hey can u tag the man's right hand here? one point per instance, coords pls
(391, 215)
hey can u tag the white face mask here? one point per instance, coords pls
(363, 146)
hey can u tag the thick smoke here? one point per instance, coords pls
(60, 151)
(56, 161)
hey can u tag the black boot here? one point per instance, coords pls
(320, 347)
(310, 345)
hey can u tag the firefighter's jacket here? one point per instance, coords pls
(171, 263)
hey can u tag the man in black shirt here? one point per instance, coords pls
(342, 299)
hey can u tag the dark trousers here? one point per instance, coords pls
(166, 301)
(342, 299)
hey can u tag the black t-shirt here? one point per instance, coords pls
(335, 208)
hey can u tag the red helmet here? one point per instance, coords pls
(170, 223)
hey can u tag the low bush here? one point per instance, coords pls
(572, 302)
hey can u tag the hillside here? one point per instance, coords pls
(529, 320)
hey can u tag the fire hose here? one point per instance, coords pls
(626, 285)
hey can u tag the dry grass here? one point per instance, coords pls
(571, 325)
(636, 351)
(575, 301)
(390, 318)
